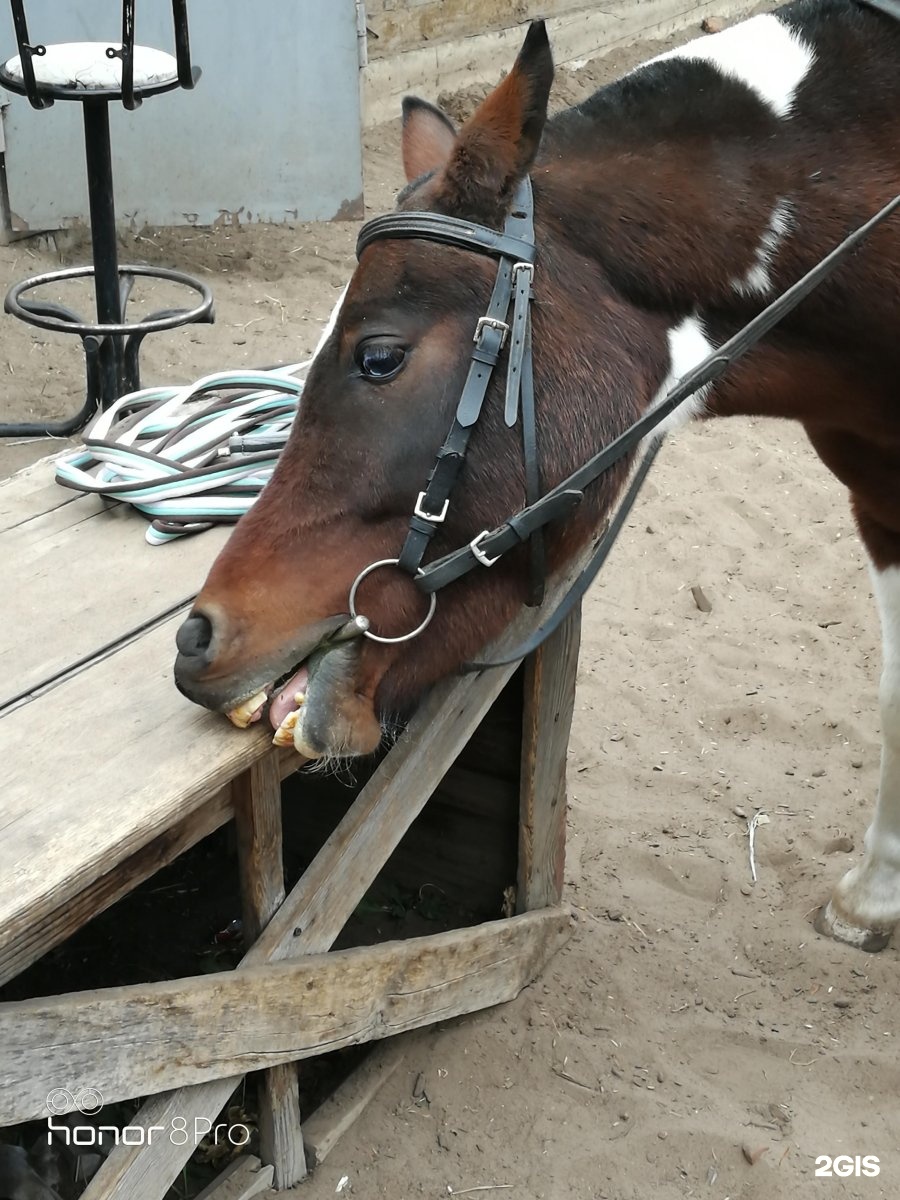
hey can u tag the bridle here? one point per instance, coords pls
(497, 329)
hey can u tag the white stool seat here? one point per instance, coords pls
(85, 66)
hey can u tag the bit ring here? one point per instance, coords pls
(375, 637)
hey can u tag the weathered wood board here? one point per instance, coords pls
(203, 1028)
(241, 1180)
(57, 544)
(328, 1124)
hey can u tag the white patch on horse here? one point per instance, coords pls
(764, 53)
(688, 346)
(757, 280)
(868, 897)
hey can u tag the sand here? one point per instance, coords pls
(691, 1013)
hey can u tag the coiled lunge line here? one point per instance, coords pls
(189, 457)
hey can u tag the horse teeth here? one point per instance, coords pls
(284, 734)
(244, 713)
(299, 698)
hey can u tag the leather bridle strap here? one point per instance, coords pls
(578, 590)
(516, 250)
(432, 504)
(434, 227)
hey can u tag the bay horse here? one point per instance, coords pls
(668, 209)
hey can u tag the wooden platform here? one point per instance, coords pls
(109, 774)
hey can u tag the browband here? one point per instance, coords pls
(451, 230)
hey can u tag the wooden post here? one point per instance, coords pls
(257, 815)
(549, 701)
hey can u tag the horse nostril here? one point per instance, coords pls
(194, 636)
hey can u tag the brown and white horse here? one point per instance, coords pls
(669, 208)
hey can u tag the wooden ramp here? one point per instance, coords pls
(110, 774)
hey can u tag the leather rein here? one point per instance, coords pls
(507, 323)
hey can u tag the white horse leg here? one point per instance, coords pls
(865, 905)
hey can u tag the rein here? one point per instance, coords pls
(516, 251)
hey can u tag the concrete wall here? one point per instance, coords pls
(271, 133)
(397, 25)
(431, 46)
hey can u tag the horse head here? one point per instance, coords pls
(378, 401)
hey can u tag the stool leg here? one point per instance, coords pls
(103, 240)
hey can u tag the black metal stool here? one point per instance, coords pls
(95, 73)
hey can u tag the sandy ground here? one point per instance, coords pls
(691, 1013)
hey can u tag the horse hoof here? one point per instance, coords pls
(830, 924)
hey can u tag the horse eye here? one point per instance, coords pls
(380, 360)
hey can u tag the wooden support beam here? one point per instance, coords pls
(333, 1118)
(322, 901)
(193, 1030)
(546, 722)
(257, 815)
(241, 1180)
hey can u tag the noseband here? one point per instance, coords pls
(496, 330)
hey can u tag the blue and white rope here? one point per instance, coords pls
(186, 456)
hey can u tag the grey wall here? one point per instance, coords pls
(272, 129)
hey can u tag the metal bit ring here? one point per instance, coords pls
(375, 637)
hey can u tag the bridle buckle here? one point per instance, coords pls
(434, 518)
(475, 547)
(492, 323)
(526, 267)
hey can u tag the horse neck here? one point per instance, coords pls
(669, 230)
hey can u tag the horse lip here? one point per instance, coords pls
(332, 669)
(225, 692)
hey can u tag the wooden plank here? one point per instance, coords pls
(31, 492)
(257, 814)
(96, 770)
(58, 924)
(192, 1030)
(241, 1180)
(546, 721)
(76, 542)
(332, 1119)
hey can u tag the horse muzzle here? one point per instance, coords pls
(308, 686)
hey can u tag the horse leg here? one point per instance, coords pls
(865, 905)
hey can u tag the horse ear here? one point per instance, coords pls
(428, 138)
(497, 145)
